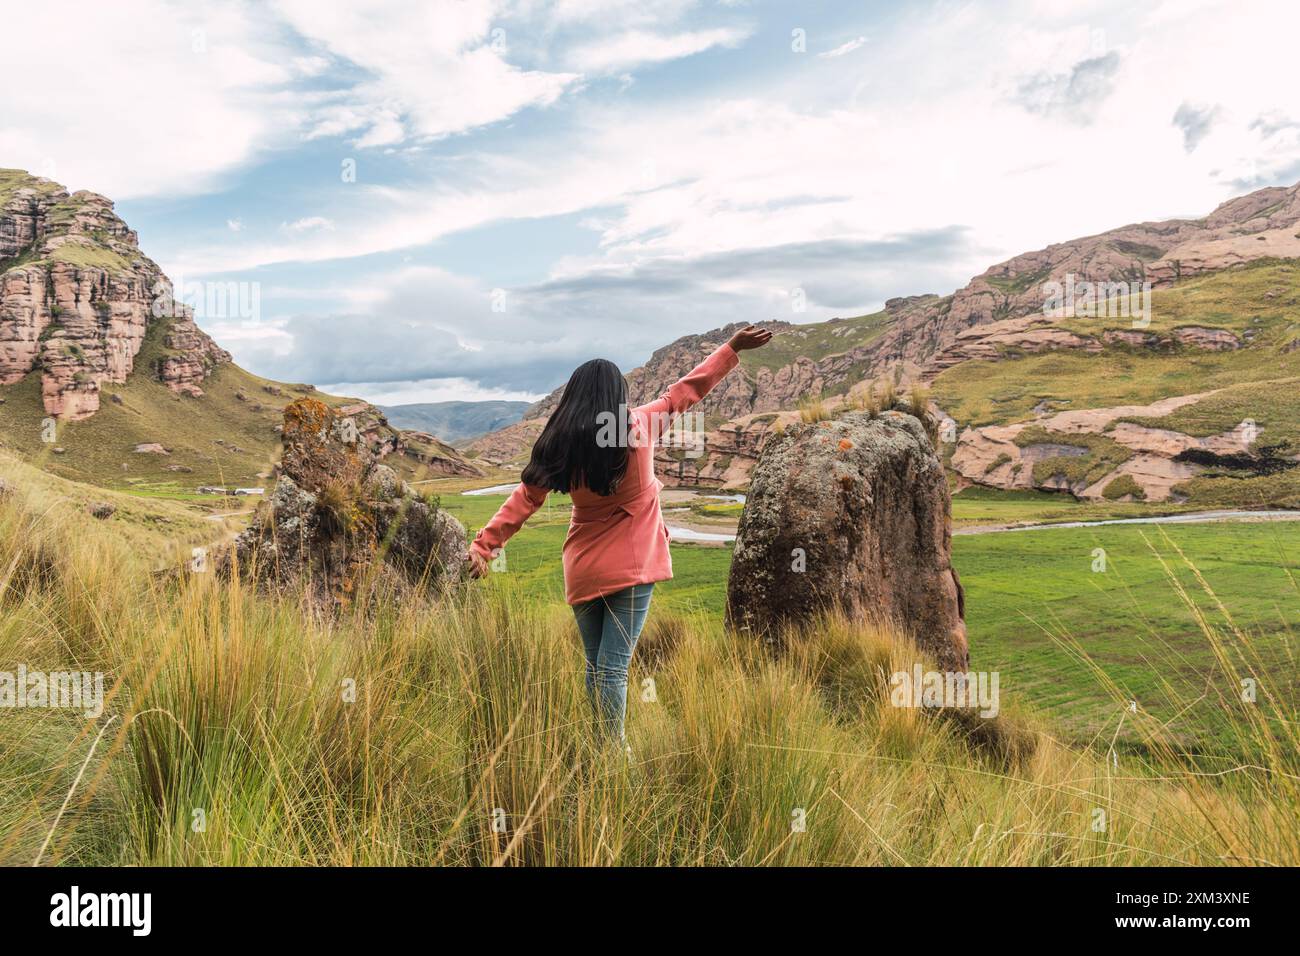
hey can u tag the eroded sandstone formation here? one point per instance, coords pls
(850, 515)
(339, 524)
(77, 298)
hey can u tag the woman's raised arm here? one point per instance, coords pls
(697, 383)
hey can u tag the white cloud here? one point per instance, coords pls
(808, 158)
(307, 224)
(626, 12)
(226, 83)
(143, 97)
(641, 47)
(843, 48)
(433, 69)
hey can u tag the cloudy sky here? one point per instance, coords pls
(466, 198)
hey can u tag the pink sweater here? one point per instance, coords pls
(618, 540)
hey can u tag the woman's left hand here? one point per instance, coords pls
(478, 566)
(750, 337)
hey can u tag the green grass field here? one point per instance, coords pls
(1039, 614)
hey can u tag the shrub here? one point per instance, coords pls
(1121, 486)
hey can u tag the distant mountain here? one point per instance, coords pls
(455, 421)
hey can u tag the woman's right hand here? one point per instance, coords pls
(750, 337)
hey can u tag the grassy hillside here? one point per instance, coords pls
(1261, 299)
(1258, 382)
(157, 530)
(220, 439)
(239, 731)
(816, 341)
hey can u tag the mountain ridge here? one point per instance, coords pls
(458, 420)
(996, 319)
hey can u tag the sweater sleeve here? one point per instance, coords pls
(687, 390)
(510, 517)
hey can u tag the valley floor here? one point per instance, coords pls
(1050, 609)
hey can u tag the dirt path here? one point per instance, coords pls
(1196, 517)
(228, 514)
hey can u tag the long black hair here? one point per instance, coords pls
(567, 454)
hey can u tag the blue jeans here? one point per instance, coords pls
(609, 627)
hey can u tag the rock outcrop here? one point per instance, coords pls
(77, 298)
(726, 456)
(434, 458)
(342, 525)
(1027, 455)
(850, 515)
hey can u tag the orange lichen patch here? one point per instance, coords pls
(313, 456)
(307, 417)
(845, 444)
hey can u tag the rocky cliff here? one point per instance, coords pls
(77, 297)
(90, 334)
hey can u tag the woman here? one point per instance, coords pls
(602, 454)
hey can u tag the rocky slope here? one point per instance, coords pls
(92, 340)
(967, 341)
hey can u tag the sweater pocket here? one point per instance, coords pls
(594, 521)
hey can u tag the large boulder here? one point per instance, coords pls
(850, 515)
(340, 524)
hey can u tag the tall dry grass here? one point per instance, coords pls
(240, 730)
